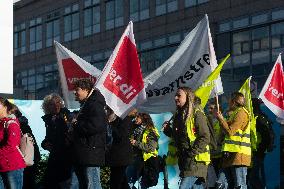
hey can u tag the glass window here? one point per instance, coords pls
(259, 18)
(71, 24)
(241, 43)
(174, 38)
(139, 10)
(146, 45)
(260, 38)
(161, 7)
(190, 3)
(19, 40)
(241, 60)
(52, 32)
(224, 27)
(241, 23)
(277, 35)
(160, 42)
(260, 57)
(172, 5)
(114, 14)
(35, 37)
(92, 20)
(279, 14)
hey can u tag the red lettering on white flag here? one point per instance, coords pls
(125, 79)
(121, 82)
(272, 93)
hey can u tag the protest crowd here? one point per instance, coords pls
(211, 147)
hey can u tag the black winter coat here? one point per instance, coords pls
(120, 152)
(89, 135)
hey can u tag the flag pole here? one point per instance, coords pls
(217, 102)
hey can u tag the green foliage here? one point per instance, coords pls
(41, 166)
(105, 175)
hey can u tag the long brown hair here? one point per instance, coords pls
(189, 104)
(146, 120)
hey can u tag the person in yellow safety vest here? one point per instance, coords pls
(191, 136)
(237, 146)
(145, 148)
(215, 151)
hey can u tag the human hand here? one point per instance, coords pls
(165, 125)
(132, 141)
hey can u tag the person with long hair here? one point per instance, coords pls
(191, 136)
(12, 163)
(145, 152)
(30, 172)
(56, 118)
(236, 147)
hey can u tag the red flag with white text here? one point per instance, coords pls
(71, 68)
(121, 81)
(272, 94)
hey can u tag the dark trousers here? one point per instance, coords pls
(118, 179)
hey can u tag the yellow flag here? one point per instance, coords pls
(245, 90)
(204, 91)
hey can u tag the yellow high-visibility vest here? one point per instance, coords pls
(147, 156)
(204, 156)
(240, 141)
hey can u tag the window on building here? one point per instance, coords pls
(277, 39)
(91, 17)
(166, 6)
(139, 10)
(71, 23)
(260, 39)
(241, 43)
(35, 28)
(191, 3)
(260, 18)
(240, 23)
(114, 14)
(52, 32)
(20, 39)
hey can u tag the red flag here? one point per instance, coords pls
(71, 68)
(272, 94)
(121, 81)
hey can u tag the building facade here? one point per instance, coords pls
(251, 30)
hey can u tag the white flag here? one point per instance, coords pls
(72, 68)
(189, 66)
(121, 82)
(272, 93)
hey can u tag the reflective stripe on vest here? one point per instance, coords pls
(240, 141)
(147, 156)
(202, 157)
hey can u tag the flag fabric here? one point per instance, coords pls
(273, 90)
(246, 91)
(121, 81)
(204, 91)
(189, 66)
(71, 68)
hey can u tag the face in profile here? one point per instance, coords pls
(211, 108)
(138, 120)
(80, 94)
(180, 98)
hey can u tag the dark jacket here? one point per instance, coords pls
(120, 153)
(56, 134)
(186, 153)
(89, 143)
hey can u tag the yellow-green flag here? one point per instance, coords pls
(204, 91)
(245, 90)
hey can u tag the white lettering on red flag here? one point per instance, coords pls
(272, 93)
(71, 68)
(121, 82)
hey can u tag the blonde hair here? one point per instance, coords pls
(49, 101)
